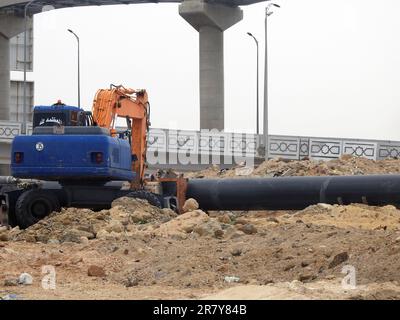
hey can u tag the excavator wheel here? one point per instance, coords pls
(145, 195)
(34, 205)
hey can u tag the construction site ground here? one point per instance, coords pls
(136, 251)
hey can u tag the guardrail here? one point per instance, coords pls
(213, 143)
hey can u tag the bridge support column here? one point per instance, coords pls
(211, 20)
(10, 26)
(4, 78)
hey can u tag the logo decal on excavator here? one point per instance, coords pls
(39, 146)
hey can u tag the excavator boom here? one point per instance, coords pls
(133, 105)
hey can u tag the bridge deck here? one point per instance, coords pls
(17, 6)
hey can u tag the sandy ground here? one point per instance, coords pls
(135, 251)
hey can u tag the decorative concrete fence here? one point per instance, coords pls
(244, 146)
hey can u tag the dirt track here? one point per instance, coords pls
(142, 252)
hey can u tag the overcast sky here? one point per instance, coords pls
(334, 65)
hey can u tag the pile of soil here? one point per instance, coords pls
(137, 251)
(345, 165)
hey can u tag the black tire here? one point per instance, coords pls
(34, 205)
(145, 195)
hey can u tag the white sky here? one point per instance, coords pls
(334, 64)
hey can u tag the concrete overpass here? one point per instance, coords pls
(209, 17)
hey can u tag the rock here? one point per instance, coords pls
(25, 279)
(225, 219)
(305, 264)
(248, 229)
(84, 240)
(190, 205)
(4, 236)
(53, 241)
(3, 228)
(10, 282)
(211, 228)
(96, 271)
(218, 234)
(397, 240)
(10, 296)
(30, 238)
(126, 252)
(325, 206)
(236, 252)
(231, 279)
(241, 221)
(289, 266)
(102, 234)
(74, 235)
(272, 219)
(338, 259)
(115, 235)
(76, 260)
(184, 224)
(114, 226)
(131, 282)
(306, 277)
(232, 233)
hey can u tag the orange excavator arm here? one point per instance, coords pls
(133, 105)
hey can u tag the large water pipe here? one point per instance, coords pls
(294, 193)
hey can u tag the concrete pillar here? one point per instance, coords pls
(211, 20)
(10, 26)
(4, 78)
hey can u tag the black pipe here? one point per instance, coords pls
(293, 193)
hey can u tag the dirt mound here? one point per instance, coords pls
(353, 216)
(297, 290)
(127, 218)
(346, 165)
(145, 252)
(80, 225)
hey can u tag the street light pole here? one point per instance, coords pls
(25, 62)
(79, 68)
(268, 12)
(258, 81)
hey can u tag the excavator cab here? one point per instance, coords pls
(60, 114)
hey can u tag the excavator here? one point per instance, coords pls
(76, 158)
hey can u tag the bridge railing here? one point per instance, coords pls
(240, 145)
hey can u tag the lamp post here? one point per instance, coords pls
(268, 12)
(79, 68)
(258, 81)
(44, 9)
(25, 62)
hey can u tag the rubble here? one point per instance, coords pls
(135, 250)
(345, 165)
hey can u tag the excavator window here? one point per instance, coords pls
(62, 117)
(48, 119)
